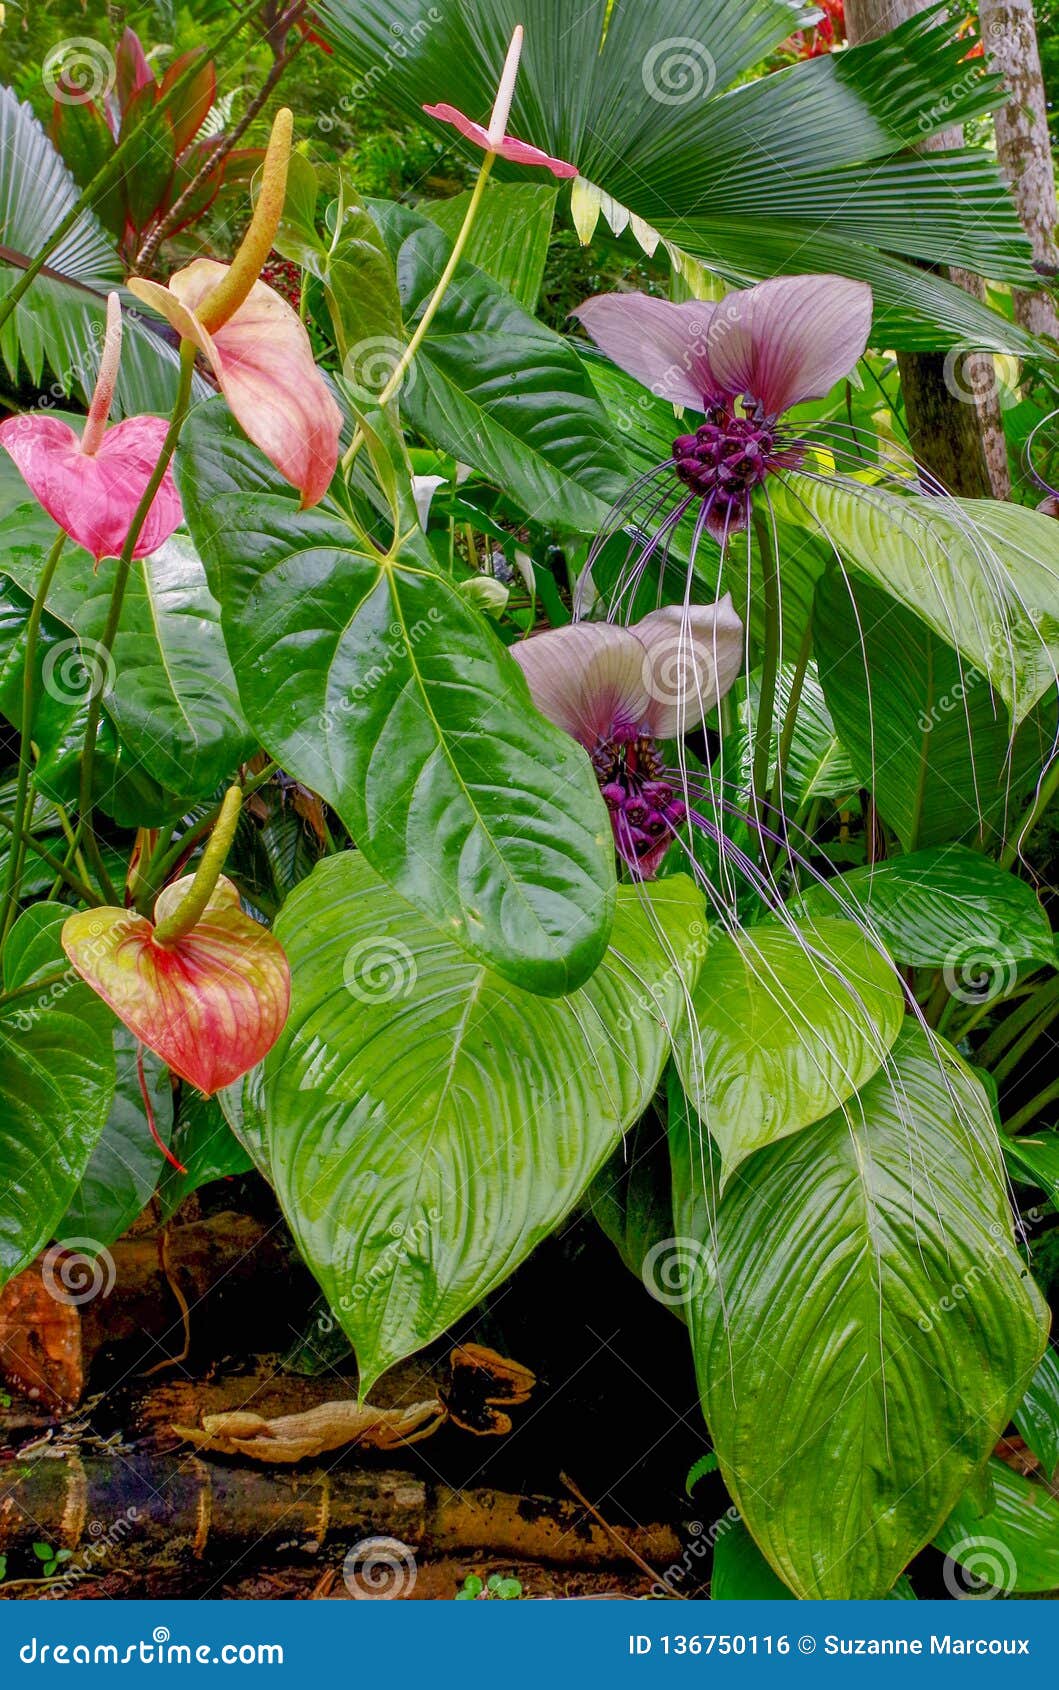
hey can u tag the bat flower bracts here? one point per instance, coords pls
(620, 692)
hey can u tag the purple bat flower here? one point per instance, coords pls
(742, 362)
(619, 691)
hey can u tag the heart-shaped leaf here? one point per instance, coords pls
(370, 679)
(56, 1085)
(863, 1325)
(787, 1025)
(210, 1004)
(425, 1123)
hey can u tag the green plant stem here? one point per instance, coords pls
(790, 722)
(1031, 1110)
(117, 599)
(164, 862)
(1013, 1026)
(198, 895)
(108, 173)
(401, 368)
(770, 662)
(56, 864)
(25, 756)
(1049, 786)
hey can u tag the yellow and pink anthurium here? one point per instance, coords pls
(91, 485)
(254, 342)
(202, 985)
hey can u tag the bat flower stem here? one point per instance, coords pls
(117, 598)
(17, 854)
(191, 907)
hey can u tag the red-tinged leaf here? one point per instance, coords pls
(192, 105)
(210, 1005)
(133, 71)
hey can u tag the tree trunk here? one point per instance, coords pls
(950, 417)
(1023, 146)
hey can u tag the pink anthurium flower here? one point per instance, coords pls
(619, 691)
(255, 343)
(743, 362)
(92, 485)
(211, 1002)
(495, 138)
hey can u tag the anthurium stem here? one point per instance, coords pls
(199, 893)
(117, 599)
(166, 858)
(57, 866)
(404, 362)
(17, 856)
(109, 173)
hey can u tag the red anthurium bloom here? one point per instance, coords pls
(743, 362)
(210, 1003)
(495, 139)
(92, 485)
(619, 691)
(255, 343)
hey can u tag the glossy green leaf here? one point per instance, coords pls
(498, 390)
(425, 1123)
(126, 1163)
(56, 1085)
(372, 681)
(509, 236)
(205, 1146)
(740, 1571)
(788, 1025)
(1034, 1158)
(864, 1325)
(1037, 1416)
(1013, 1548)
(943, 908)
(982, 576)
(922, 728)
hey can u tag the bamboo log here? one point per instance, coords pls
(152, 1507)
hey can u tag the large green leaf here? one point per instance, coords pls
(58, 324)
(56, 1084)
(1034, 1157)
(126, 1162)
(787, 1025)
(427, 1124)
(500, 391)
(168, 687)
(810, 168)
(370, 679)
(510, 234)
(943, 908)
(983, 576)
(868, 1325)
(1014, 1547)
(1037, 1416)
(923, 730)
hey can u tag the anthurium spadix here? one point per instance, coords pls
(744, 362)
(92, 484)
(620, 691)
(494, 139)
(254, 342)
(202, 985)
